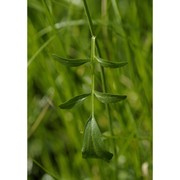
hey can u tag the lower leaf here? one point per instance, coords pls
(93, 144)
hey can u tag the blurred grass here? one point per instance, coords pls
(124, 32)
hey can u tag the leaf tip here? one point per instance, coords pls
(125, 96)
(61, 106)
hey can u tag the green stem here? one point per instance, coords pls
(102, 69)
(92, 69)
(102, 78)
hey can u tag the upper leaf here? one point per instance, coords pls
(75, 100)
(70, 62)
(110, 64)
(109, 98)
(93, 144)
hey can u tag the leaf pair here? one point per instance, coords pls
(93, 144)
(103, 97)
(78, 62)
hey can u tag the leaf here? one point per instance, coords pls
(111, 64)
(109, 98)
(74, 101)
(70, 62)
(93, 144)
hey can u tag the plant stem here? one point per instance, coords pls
(102, 69)
(102, 79)
(92, 71)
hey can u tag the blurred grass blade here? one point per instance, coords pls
(70, 62)
(45, 170)
(74, 101)
(109, 98)
(93, 145)
(62, 24)
(111, 64)
(40, 50)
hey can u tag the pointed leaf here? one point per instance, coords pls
(110, 64)
(109, 98)
(75, 100)
(70, 62)
(93, 144)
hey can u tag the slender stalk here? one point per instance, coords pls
(92, 69)
(102, 79)
(102, 69)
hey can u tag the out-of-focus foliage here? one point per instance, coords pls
(123, 29)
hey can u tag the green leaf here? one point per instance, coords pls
(109, 98)
(110, 64)
(70, 62)
(93, 144)
(74, 101)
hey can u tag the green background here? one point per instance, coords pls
(123, 29)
